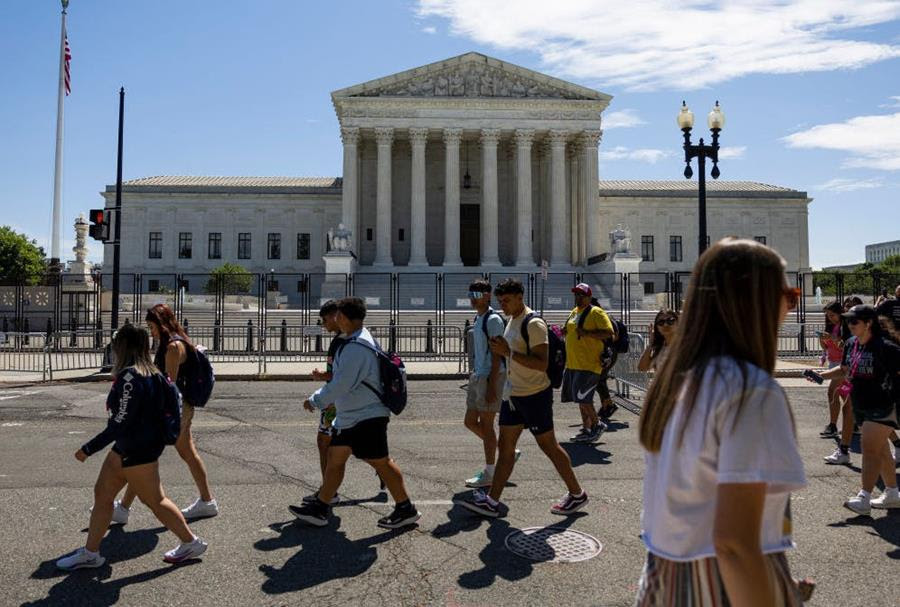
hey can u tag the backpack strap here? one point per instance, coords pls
(582, 318)
(524, 331)
(377, 350)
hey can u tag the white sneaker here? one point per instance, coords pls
(482, 479)
(185, 552)
(837, 458)
(859, 504)
(201, 509)
(120, 513)
(80, 559)
(888, 499)
(518, 454)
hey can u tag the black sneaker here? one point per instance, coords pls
(594, 433)
(479, 503)
(830, 431)
(570, 504)
(400, 517)
(312, 513)
(606, 412)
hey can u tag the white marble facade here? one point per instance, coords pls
(529, 146)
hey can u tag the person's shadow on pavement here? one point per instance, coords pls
(586, 453)
(325, 554)
(87, 586)
(887, 527)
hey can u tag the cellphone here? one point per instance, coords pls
(813, 376)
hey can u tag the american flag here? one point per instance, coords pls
(67, 58)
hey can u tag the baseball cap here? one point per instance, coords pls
(862, 312)
(582, 288)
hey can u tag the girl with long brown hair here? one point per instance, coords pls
(662, 333)
(174, 356)
(722, 453)
(134, 428)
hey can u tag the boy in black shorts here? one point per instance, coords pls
(530, 405)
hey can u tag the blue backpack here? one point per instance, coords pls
(169, 409)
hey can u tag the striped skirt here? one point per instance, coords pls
(667, 583)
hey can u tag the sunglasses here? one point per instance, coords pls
(853, 321)
(477, 294)
(666, 321)
(792, 297)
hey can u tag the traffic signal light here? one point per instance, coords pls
(100, 220)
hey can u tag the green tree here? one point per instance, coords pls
(234, 279)
(21, 260)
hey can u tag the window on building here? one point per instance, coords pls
(153, 285)
(649, 288)
(761, 239)
(368, 233)
(273, 285)
(675, 253)
(401, 235)
(155, 251)
(185, 245)
(301, 286)
(647, 248)
(303, 245)
(243, 245)
(274, 246)
(214, 250)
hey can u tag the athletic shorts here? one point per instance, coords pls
(477, 393)
(886, 415)
(326, 418)
(534, 411)
(578, 386)
(367, 439)
(138, 457)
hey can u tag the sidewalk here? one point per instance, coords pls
(286, 371)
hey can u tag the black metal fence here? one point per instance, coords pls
(61, 303)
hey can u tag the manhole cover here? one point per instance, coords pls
(553, 544)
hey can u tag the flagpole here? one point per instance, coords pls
(57, 173)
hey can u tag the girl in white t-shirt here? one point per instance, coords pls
(721, 448)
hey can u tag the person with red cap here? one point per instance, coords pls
(586, 330)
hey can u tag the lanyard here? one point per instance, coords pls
(855, 357)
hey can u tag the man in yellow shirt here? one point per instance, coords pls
(586, 329)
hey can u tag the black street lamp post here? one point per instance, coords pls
(716, 121)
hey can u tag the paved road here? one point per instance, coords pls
(259, 447)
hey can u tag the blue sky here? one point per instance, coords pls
(811, 90)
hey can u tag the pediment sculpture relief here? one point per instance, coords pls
(471, 81)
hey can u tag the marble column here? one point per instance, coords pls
(489, 219)
(590, 172)
(558, 237)
(384, 137)
(575, 201)
(452, 138)
(524, 253)
(417, 139)
(350, 185)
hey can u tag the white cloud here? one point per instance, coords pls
(895, 102)
(842, 184)
(732, 152)
(622, 119)
(873, 142)
(657, 44)
(649, 155)
(429, 29)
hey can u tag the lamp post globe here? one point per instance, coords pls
(716, 118)
(685, 117)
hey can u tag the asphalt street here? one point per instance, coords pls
(259, 447)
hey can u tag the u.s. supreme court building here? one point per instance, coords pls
(468, 164)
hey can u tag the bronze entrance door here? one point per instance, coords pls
(470, 234)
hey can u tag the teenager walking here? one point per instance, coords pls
(832, 342)
(135, 429)
(586, 329)
(530, 404)
(175, 357)
(360, 422)
(662, 335)
(872, 366)
(486, 380)
(721, 449)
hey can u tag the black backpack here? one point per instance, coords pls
(556, 350)
(619, 342)
(169, 409)
(197, 381)
(392, 372)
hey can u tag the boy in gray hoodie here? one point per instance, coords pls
(360, 423)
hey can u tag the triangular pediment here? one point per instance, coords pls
(471, 75)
